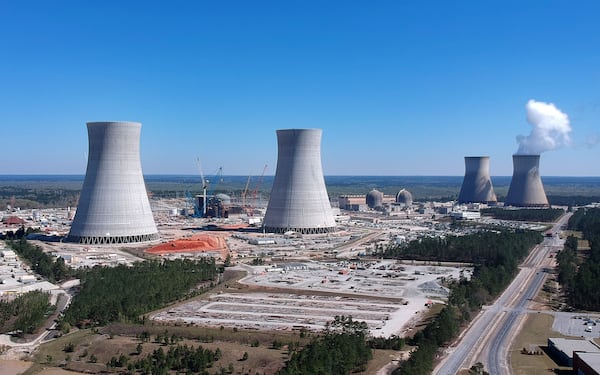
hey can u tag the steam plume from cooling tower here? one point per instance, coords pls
(550, 131)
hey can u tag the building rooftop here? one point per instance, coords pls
(591, 359)
(568, 346)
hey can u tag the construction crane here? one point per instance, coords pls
(258, 184)
(204, 183)
(245, 191)
(213, 202)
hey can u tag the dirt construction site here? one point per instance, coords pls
(389, 296)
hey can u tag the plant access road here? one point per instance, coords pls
(488, 337)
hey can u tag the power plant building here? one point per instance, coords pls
(404, 197)
(526, 188)
(477, 184)
(299, 201)
(113, 205)
(374, 199)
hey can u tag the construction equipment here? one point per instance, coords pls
(255, 191)
(204, 183)
(245, 191)
(214, 205)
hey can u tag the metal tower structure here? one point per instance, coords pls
(113, 205)
(299, 200)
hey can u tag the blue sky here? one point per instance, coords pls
(398, 87)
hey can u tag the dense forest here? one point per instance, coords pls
(124, 293)
(25, 313)
(496, 256)
(41, 196)
(342, 349)
(580, 279)
(572, 200)
(43, 264)
(546, 215)
(482, 248)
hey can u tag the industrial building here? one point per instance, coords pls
(299, 201)
(113, 206)
(477, 184)
(374, 199)
(526, 188)
(563, 349)
(352, 202)
(404, 197)
(586, 363)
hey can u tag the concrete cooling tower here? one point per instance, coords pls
(477, 184)
(299, 200)
(113, 205)
(526, 189)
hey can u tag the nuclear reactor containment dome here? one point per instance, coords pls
(299, 200)
(113, 205)
(374, 199)
(526, 189)
(477, 184)
(404, 197)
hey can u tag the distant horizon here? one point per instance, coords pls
(272, 175)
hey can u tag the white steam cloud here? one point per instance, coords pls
(550, 131)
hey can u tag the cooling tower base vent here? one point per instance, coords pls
(300, 230)
(107, 240)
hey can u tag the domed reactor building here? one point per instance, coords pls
(374, 199)
(404, 197)
(113, 205)
(299, 200)
(526, 188)
(477, 184)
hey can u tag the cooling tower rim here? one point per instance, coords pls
(478, 157)
(298, 129)
(527, 155)
(104, 123)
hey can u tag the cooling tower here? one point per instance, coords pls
(299, 200)
(526, 189)
(477, 185)
(113, 205)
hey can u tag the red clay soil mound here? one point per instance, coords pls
(200, 243)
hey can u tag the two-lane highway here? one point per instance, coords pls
(488, 337)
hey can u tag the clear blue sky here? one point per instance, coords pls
(398, 87)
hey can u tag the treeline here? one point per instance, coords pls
(341, 350)
(546, 215)
(483, 248)
(572, 200)
(124, 293)
(496, 257)
(53, 269)
(181, 359)
(26, 197)
(26, 313)
(580, 280)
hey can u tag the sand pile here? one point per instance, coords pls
(199, 243)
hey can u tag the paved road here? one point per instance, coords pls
(488, 337)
